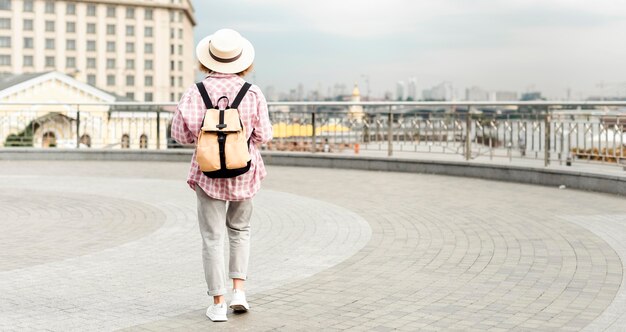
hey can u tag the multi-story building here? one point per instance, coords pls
(141, 49)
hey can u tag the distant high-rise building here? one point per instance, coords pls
(442, 91)
(535, 95)
(411, 92)
(476, 94)
(505, 96)
(400, 90)
(300, 95)
(143, 50)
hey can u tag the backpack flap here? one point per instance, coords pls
(231, 122)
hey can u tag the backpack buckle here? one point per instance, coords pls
(221, 126)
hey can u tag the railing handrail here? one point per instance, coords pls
(361, 103)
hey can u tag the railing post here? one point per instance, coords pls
(546, 141)
(158, 129)
(468, 131)
(390, 133)
(77, 126)
(313, 131)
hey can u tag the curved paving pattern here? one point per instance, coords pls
(158, 275)
(43, 226)
(444, 254)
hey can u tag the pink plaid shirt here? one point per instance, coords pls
(253, 112)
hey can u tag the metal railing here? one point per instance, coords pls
(549, 131)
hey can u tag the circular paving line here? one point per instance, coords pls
(157, 275)
(445, 254)
(45, 226)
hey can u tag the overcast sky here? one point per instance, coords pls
(518, 45)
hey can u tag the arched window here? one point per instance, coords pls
(143, 141)
(85, 140)
(125, 141)
(49, 140)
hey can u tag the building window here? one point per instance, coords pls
(130, 80)
(91, 62)
(49, 25)
(172, 96)
(49, 61)
(172, 65)
(110, 46)
(130, 95)
(110, 11)
(91, 10)
(110, 29)
(70, 45)
(148, 14)
(148, 49)
(49, 43)
(180, 81)
(130, 12)
(5, 4)
(28, 6)
(180, 65)
(180, 33)
(172, 17)
(70, 9)
(130, 64)
(91, 28)
(70, 27)
(148, 96)
(130, 30)
(91, 79)
(148, 80)
(125, 144)
(91, 45)
(148, 32)
(85, 140)
(5, 60)
(5, 42)
(171, 49)
(180, 49)
(28, 25)
(110, 80)
(130, 47)
(172, 81)
(148, 65)
(172, 33)
(5, 23)
(28, 60)
(49, 7)
(70, 62)
(28, 42)
(143, 141)
(110, 63)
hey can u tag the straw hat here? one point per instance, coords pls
(225, 51)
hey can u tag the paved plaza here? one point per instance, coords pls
(115, 245)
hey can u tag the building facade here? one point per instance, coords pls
(140, 49)
(46, 110)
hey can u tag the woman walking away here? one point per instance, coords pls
(224, 192)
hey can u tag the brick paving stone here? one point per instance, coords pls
(419, 252)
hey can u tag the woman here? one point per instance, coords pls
(225, 203)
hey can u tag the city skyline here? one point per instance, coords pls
(558, 47)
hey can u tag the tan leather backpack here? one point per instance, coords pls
(222, 150)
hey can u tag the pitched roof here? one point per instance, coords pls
(10, 80)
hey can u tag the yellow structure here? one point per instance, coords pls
(356, 111)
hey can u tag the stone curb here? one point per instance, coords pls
(511, 173)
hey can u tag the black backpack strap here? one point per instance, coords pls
(205, 95)
(240, 95)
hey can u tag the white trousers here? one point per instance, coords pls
(215, 217)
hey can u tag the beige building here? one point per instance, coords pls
(44, 110)
(140, 49)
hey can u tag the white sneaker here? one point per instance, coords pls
(239, 303)
(217, 312)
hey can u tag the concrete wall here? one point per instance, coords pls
(541, 176)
